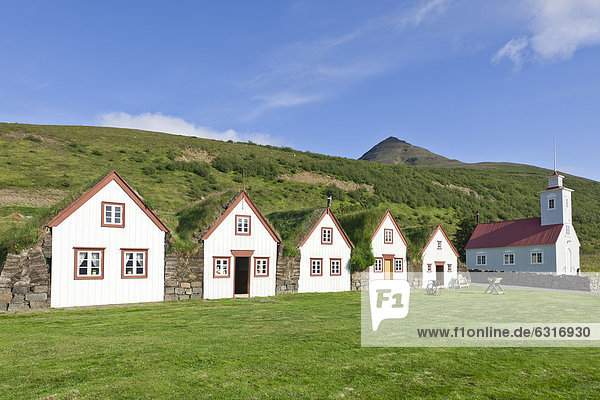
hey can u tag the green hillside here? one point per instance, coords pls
(187, 180)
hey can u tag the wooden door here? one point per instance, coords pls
(387, 268)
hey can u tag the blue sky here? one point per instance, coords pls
(472, 80)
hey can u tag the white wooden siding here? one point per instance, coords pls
(223, 240)
(431, 255)
(313, 248)
(397, 248)
(82, 229)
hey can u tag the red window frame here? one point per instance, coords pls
(401, 265)
(375, 265)
(123, 251)
(104, 224)
(249, 225)
(215, 258)
(331, 260)
(391, 231)
(89, 249)
(330, 235)
(256, 274)
(311, 269)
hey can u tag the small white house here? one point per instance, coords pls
(440, 259)
(389, 248)
(107, 248)
(546, 244)
(240, 253)
(325, 256)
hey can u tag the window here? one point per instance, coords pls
(428, 267)
(336, 266)
(113, 215)
(242, 225)
(537, 257)
(134, 263)
(551, 204)
(481, 259)
(326, 235)
(315, 267)
(378, 267)
(221, 267)
(568, 230)
(261, 266)
(89, 263)
(509, 259)
(398, 265)
(439, 244)
(449, 267)
(566, 202)
(388, 236)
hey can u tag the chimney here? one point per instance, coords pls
(329, 202)
(477, 217)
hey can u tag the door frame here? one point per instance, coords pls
(390, 258)
(242, 254)
(443, 265)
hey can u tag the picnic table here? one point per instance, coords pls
(494, 286)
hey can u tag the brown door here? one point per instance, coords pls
(439, 272)
(387, 268)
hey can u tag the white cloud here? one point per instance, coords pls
(308, 71)
(558, 28)
(158, 122)
(514, 51)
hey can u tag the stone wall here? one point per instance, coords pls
(359, 280)
(25, 281)
(184, 275)
(288, 273)
(533, 279)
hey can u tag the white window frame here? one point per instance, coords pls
(537, 252)
(385, 236)
(449, 268)
(439, 244)
(398, 262)
(135, 253)
(568, 229)
(109, 211)
(242, 228)
(552, 200)
(339, 267)
(378, 266)
(507, 255)
(316, 267)
(261, 266)
(222, 267)
(567, 202)
(429, 268)
(478, 260)
(326, 235)
(89, 268)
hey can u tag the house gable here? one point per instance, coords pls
(398, 231)
(113, 176)
(243, 196)
(445, 237)
(335, 225)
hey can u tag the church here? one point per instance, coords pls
(547, 244)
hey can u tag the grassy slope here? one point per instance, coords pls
(281, 347)
(173, 173)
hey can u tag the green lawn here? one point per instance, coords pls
(301, 346)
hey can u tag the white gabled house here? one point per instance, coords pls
(108, 247)
(325, 256)
(440, 259)
(240, 253)
(389, 248)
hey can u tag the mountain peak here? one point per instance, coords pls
(396, 151)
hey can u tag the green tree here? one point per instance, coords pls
(466, 226)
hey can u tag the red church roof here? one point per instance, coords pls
(520, 232)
